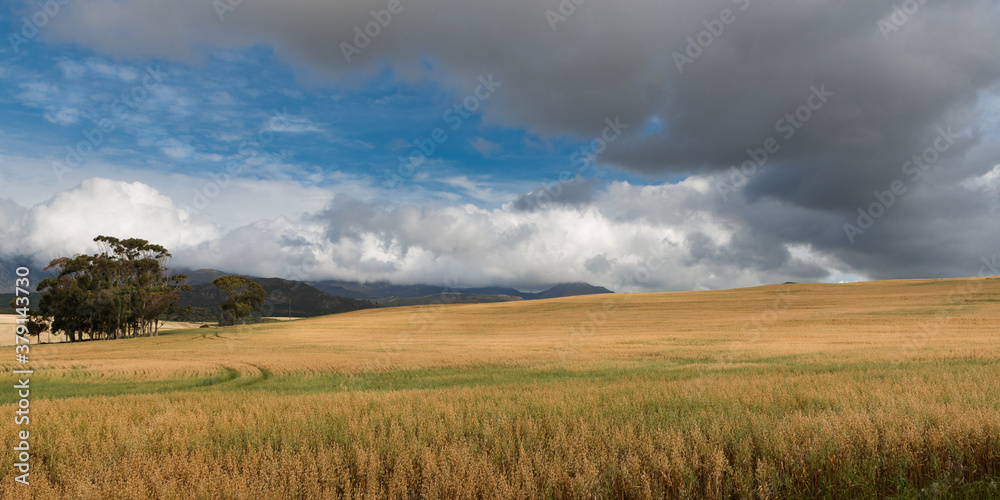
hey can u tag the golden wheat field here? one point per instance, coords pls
(872, 390)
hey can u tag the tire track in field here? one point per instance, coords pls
(236, 375)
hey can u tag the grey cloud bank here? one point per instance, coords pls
(899, 74)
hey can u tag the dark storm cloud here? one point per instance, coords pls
(845, 91)
(626, 59)
(573, 192)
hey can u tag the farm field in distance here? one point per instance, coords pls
(880, 389)
(8, 324)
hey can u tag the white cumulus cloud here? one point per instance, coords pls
(68, 223)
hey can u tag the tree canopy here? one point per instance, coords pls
(121, 291)
(243, 298)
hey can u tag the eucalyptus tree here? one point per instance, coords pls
(243, 298)
(122, 291)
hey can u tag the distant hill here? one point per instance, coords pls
(567, 290)
(376, 290)
(8, 273)
(336, 294)
(284, 298)
(332, 296)
(444, 298)
(7, 278)
(5, 299)
(384, 290)
(201, 276)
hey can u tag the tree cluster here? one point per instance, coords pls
(243, 297)
(121, 291)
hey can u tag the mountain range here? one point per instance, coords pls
(315, 298)
(284, 298)
(384, 289)
(318, 298)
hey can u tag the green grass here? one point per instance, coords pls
(83, 383)
(79, 384)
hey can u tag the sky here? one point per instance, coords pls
(636, 145)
